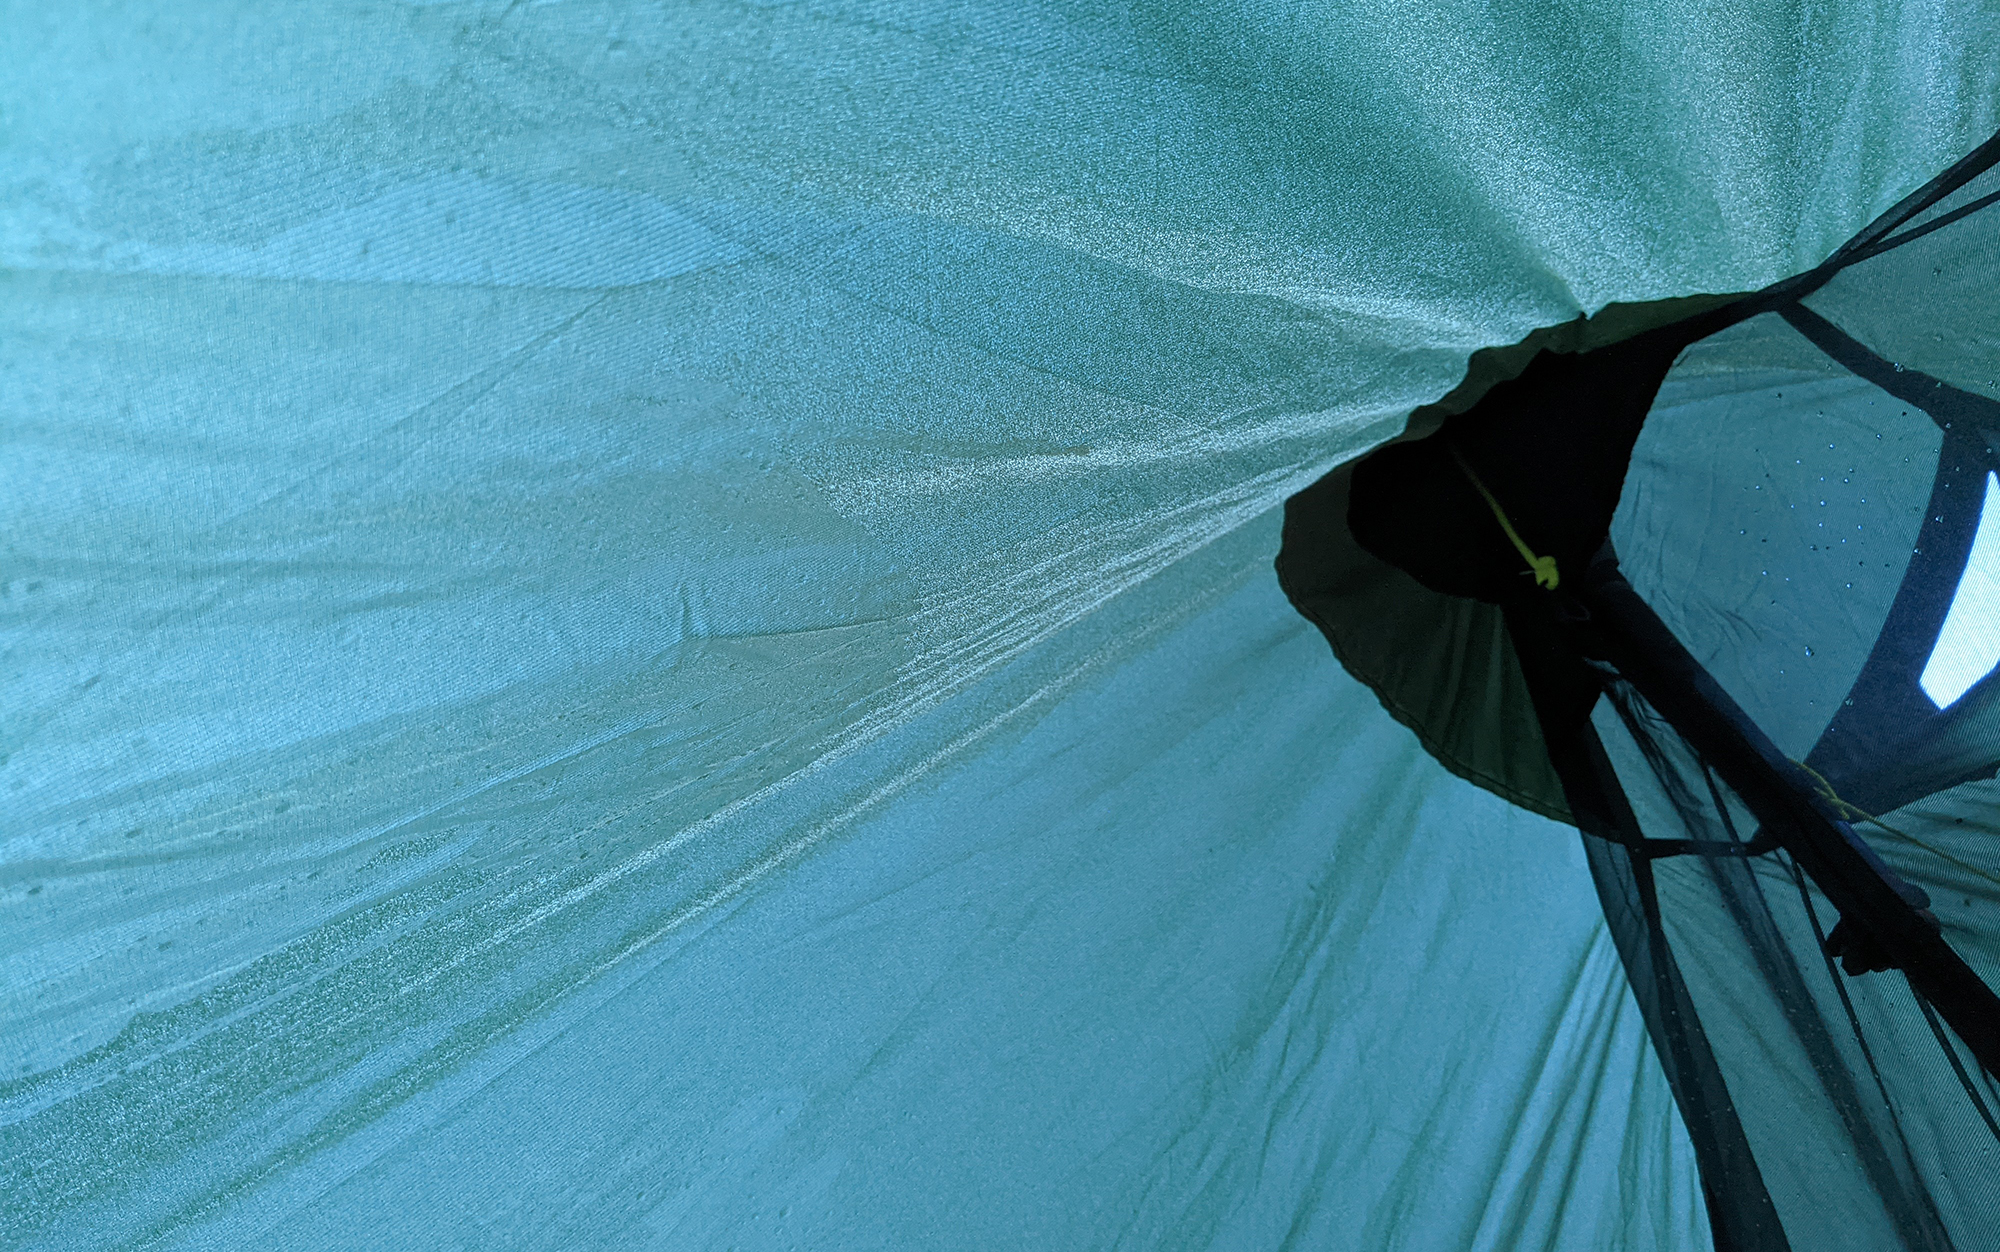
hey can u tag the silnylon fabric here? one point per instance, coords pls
(634, 627)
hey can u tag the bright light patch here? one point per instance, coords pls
(1968, 646)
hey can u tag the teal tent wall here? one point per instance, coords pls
(653, 628)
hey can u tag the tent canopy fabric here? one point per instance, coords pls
(653, 627)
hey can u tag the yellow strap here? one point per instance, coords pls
(1543, 566)
(1853, 814)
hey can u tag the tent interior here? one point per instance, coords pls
(654, 627)
(1820, 567)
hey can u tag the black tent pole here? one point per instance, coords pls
(1617, 626)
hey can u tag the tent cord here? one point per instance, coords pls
(1544, 567)
(1854, 814)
